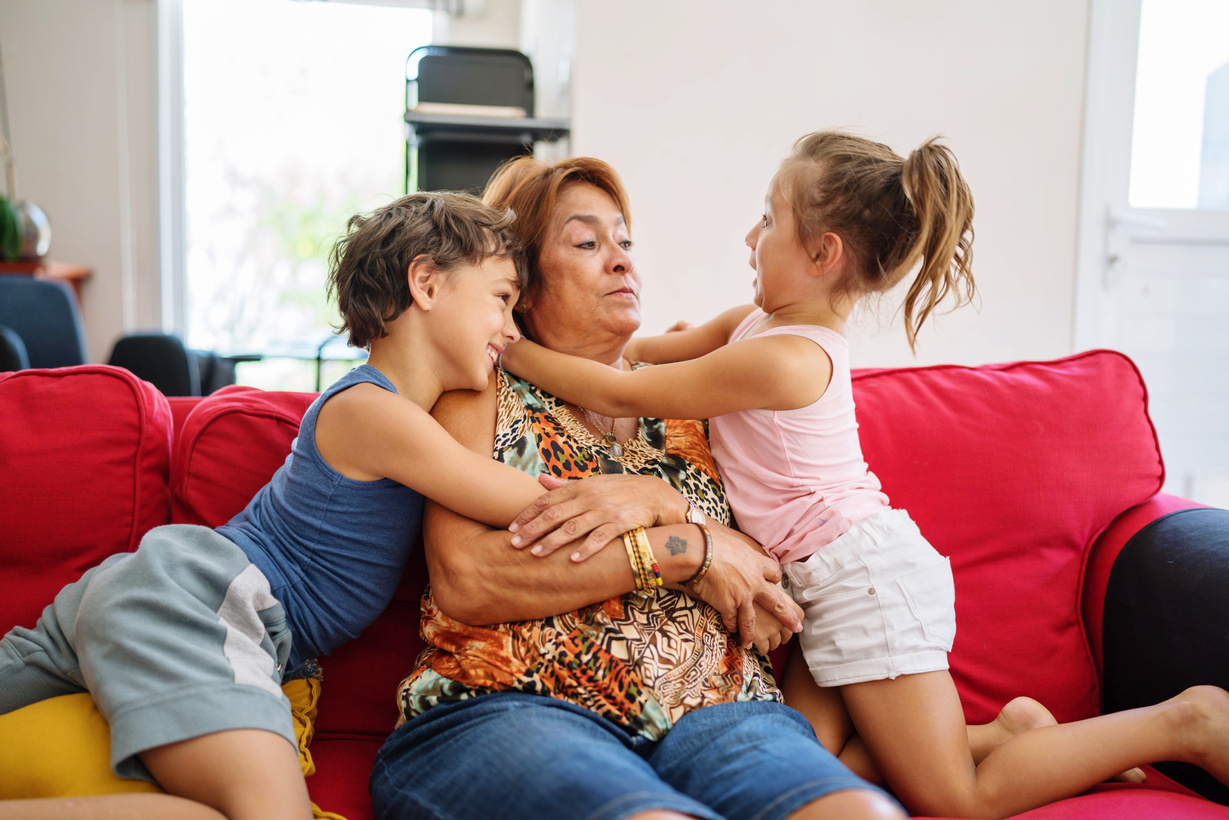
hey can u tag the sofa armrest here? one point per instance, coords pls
(1161, 571)
(1100, 559)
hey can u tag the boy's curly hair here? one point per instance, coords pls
(369, 266)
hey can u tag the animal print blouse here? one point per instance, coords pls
(642, 660)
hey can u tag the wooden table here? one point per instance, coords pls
(66, 272)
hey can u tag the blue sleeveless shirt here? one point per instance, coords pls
(333, 548)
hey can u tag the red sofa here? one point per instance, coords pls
(1031, 476)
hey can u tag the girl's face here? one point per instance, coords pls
(779, 259)
(590, 287)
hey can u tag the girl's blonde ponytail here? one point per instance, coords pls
(891, 213)
(943, 205)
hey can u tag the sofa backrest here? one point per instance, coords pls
(84, 468)
(1012, 471)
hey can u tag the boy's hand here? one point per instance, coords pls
(598, 508)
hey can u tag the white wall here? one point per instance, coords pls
(694, 103)
(80, 76)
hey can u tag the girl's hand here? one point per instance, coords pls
(602, 506)
(740, 578)
(769, 632)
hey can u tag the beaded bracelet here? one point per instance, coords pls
(708, 556)
(644, 565)
(646, 554)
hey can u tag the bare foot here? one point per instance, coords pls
(1207, 725)
(1021, 715)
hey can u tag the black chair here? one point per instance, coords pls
(46, 318)
(468, 110)
(164, 361)
(13, 354)
(160, 359)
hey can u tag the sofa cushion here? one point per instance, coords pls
(1013, 470)
(84, 471)
(229, 446)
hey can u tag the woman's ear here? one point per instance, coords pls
(424, 279)
(828, 253)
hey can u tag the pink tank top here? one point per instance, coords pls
(796, 479)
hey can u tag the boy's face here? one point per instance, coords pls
(475, 320)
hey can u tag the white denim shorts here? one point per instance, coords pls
(879, 602)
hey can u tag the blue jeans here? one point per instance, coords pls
(513, 755)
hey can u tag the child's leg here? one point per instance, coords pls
(243, 773)
(824, 709)
(41, 662)
(108, 807)
(914, 728)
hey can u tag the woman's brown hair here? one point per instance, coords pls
(890, 213)
(369, 266)
(530, 188)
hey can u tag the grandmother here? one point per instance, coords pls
(590, 691)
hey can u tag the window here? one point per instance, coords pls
(293, 121)
(1180, 147)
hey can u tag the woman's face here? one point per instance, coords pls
(590, 294)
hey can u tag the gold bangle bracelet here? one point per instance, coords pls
(650, 561)
(633, 557)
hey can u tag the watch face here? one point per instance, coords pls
(694, 514)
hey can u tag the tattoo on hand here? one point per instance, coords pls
(676, 545)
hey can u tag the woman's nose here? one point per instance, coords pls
(752, 236)
(620, 260)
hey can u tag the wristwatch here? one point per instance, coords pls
(694, 514)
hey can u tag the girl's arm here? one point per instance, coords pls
(764, 372)
(478, 579)
(692, 343)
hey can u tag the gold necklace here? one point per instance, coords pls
(609, 439)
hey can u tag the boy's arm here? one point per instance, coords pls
(367, 433)
(692, 343)
(769, 372)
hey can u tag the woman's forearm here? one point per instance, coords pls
(478, 578)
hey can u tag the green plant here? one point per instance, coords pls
(10, 231)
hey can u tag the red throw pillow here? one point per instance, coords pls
(229, 447)
(1012, 471)
(84, 471)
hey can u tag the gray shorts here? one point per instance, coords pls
(179, 639)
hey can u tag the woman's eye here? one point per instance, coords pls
(626, 244)
(765, 220)
(588, 245)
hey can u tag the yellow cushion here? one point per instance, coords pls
(61, 747)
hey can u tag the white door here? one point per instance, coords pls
(1153, 271)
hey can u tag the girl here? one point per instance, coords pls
(845, 217)
(185, 642)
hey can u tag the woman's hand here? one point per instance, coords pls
(603, 506)
(740, 579)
